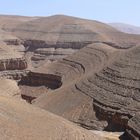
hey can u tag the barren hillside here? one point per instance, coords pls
(82, 70)
(126, 28)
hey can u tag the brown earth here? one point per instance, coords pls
(19, 120)
(82, 70)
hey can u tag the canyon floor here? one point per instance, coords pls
(66, 78)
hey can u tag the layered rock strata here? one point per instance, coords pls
(14, 74)
(74, 69)
(44, 82)
(115, 90)
(107, 75)
(133, 131)
(38, 79)
(13, 64)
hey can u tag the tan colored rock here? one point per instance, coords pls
(9, 88)
(11, 59)
(19, 120)
(100, 82)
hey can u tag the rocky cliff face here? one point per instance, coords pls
(44, 81)
(12, 60)
(14, 74)
(13, 64)
(52, 53)
(133, 131)
(32, 45)
(38, 79)
(109, 76)
(115, 90)
(74, 70)
(39, 50)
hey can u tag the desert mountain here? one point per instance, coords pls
(82, 70)
(126, 28)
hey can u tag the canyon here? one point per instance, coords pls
(70, 77)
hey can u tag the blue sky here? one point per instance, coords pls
(126, 11)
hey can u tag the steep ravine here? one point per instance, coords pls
(39, 83)
(35, 84)
(115, 91)
(110, 78)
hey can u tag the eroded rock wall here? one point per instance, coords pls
(14, 74)
(13, 64)
(72, 103)
(133, 131)
(107, 76)
(38, 79)
(35, 44)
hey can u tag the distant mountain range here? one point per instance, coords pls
(131, 29)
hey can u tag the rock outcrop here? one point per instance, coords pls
(52, 54)
(13, 64)
(34, 79)
(115, 90)
(12, 61)
(133, 130)
(39, 51)
(14, 74)
(38, 79)
(74, 70)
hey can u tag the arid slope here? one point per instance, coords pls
(98, 74)
(19, 120)
(89, 69)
